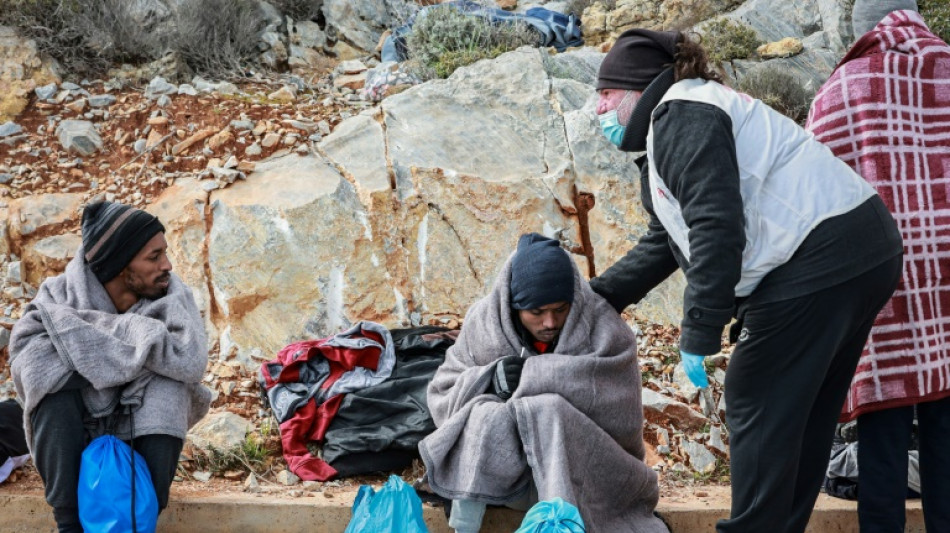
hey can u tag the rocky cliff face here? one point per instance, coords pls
(405, 213)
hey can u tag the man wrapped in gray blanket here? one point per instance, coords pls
(115, 339)
(540, 398)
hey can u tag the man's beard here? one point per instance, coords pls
(148, 291)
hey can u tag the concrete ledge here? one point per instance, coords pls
(229, 512)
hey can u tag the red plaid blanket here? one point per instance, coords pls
(886, 112)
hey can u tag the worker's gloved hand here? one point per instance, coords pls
(695, 369)
(507, 375)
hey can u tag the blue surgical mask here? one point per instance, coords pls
(610, 126)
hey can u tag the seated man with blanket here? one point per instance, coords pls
(115, 340)
(540, 398)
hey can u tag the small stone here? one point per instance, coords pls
(232, 162)
(270, 140)
(786, 47)
(285, 94)
(163, 101)
(313, 486)
(101, 100)
(253, 150)
(220, 139)
(158, 121)
(287, 478)
(46, 91)
(186, 89)
(295, 493)
(251, 485)
(203, 477)
(242, 125)
(352, 66)
(76, 106)
(159, 87)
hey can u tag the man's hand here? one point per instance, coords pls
(695, 369)
(507, 375)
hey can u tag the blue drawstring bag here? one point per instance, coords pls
(552, 516)
(106, 478)
(395, 508)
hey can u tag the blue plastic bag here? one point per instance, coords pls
(105, 489)
(552, 516)
(396, 508)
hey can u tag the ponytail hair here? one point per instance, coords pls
(691, 61)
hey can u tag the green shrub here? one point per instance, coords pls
(937, 15)
(725, 40)
(218, 37)
(779, 90)
(444, 39)
(86, 37)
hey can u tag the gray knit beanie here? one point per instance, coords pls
(867, 13)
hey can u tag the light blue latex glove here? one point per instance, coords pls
(695, 369)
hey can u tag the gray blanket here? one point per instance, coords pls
(152, 357)
(574, 425)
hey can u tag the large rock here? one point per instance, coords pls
(222, 431)
(822, 26)
(292, 256)
(79, 136)
(362, 23)
(32, 217)
(48, 257)
(182, 209)
(407, 212)
(21, 71)
(500, 148)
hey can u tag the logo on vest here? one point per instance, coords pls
(744, 334)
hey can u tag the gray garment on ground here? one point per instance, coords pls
(574, 425)
(152, 356)
(845, 464)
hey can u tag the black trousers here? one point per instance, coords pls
(59, 438)
(786, 383)
(883, 439)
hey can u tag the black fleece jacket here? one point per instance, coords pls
(695, 155)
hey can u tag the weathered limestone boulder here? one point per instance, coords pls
(221, 431)
(501, 148)
(666, 412)
(21, 71)
(604, 20)
(79, 136)
(182, 209)
(40, 215)
(292, 256)
(822, 26)
(49, 257)
(362, 23)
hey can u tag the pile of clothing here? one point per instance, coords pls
(13, 450)
(361, 394)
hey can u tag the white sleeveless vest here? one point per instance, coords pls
(788, 180)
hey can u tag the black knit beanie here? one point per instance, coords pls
(541, 273)
(637, 58)
(112, 234)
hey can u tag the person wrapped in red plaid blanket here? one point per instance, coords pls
(886, 112)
